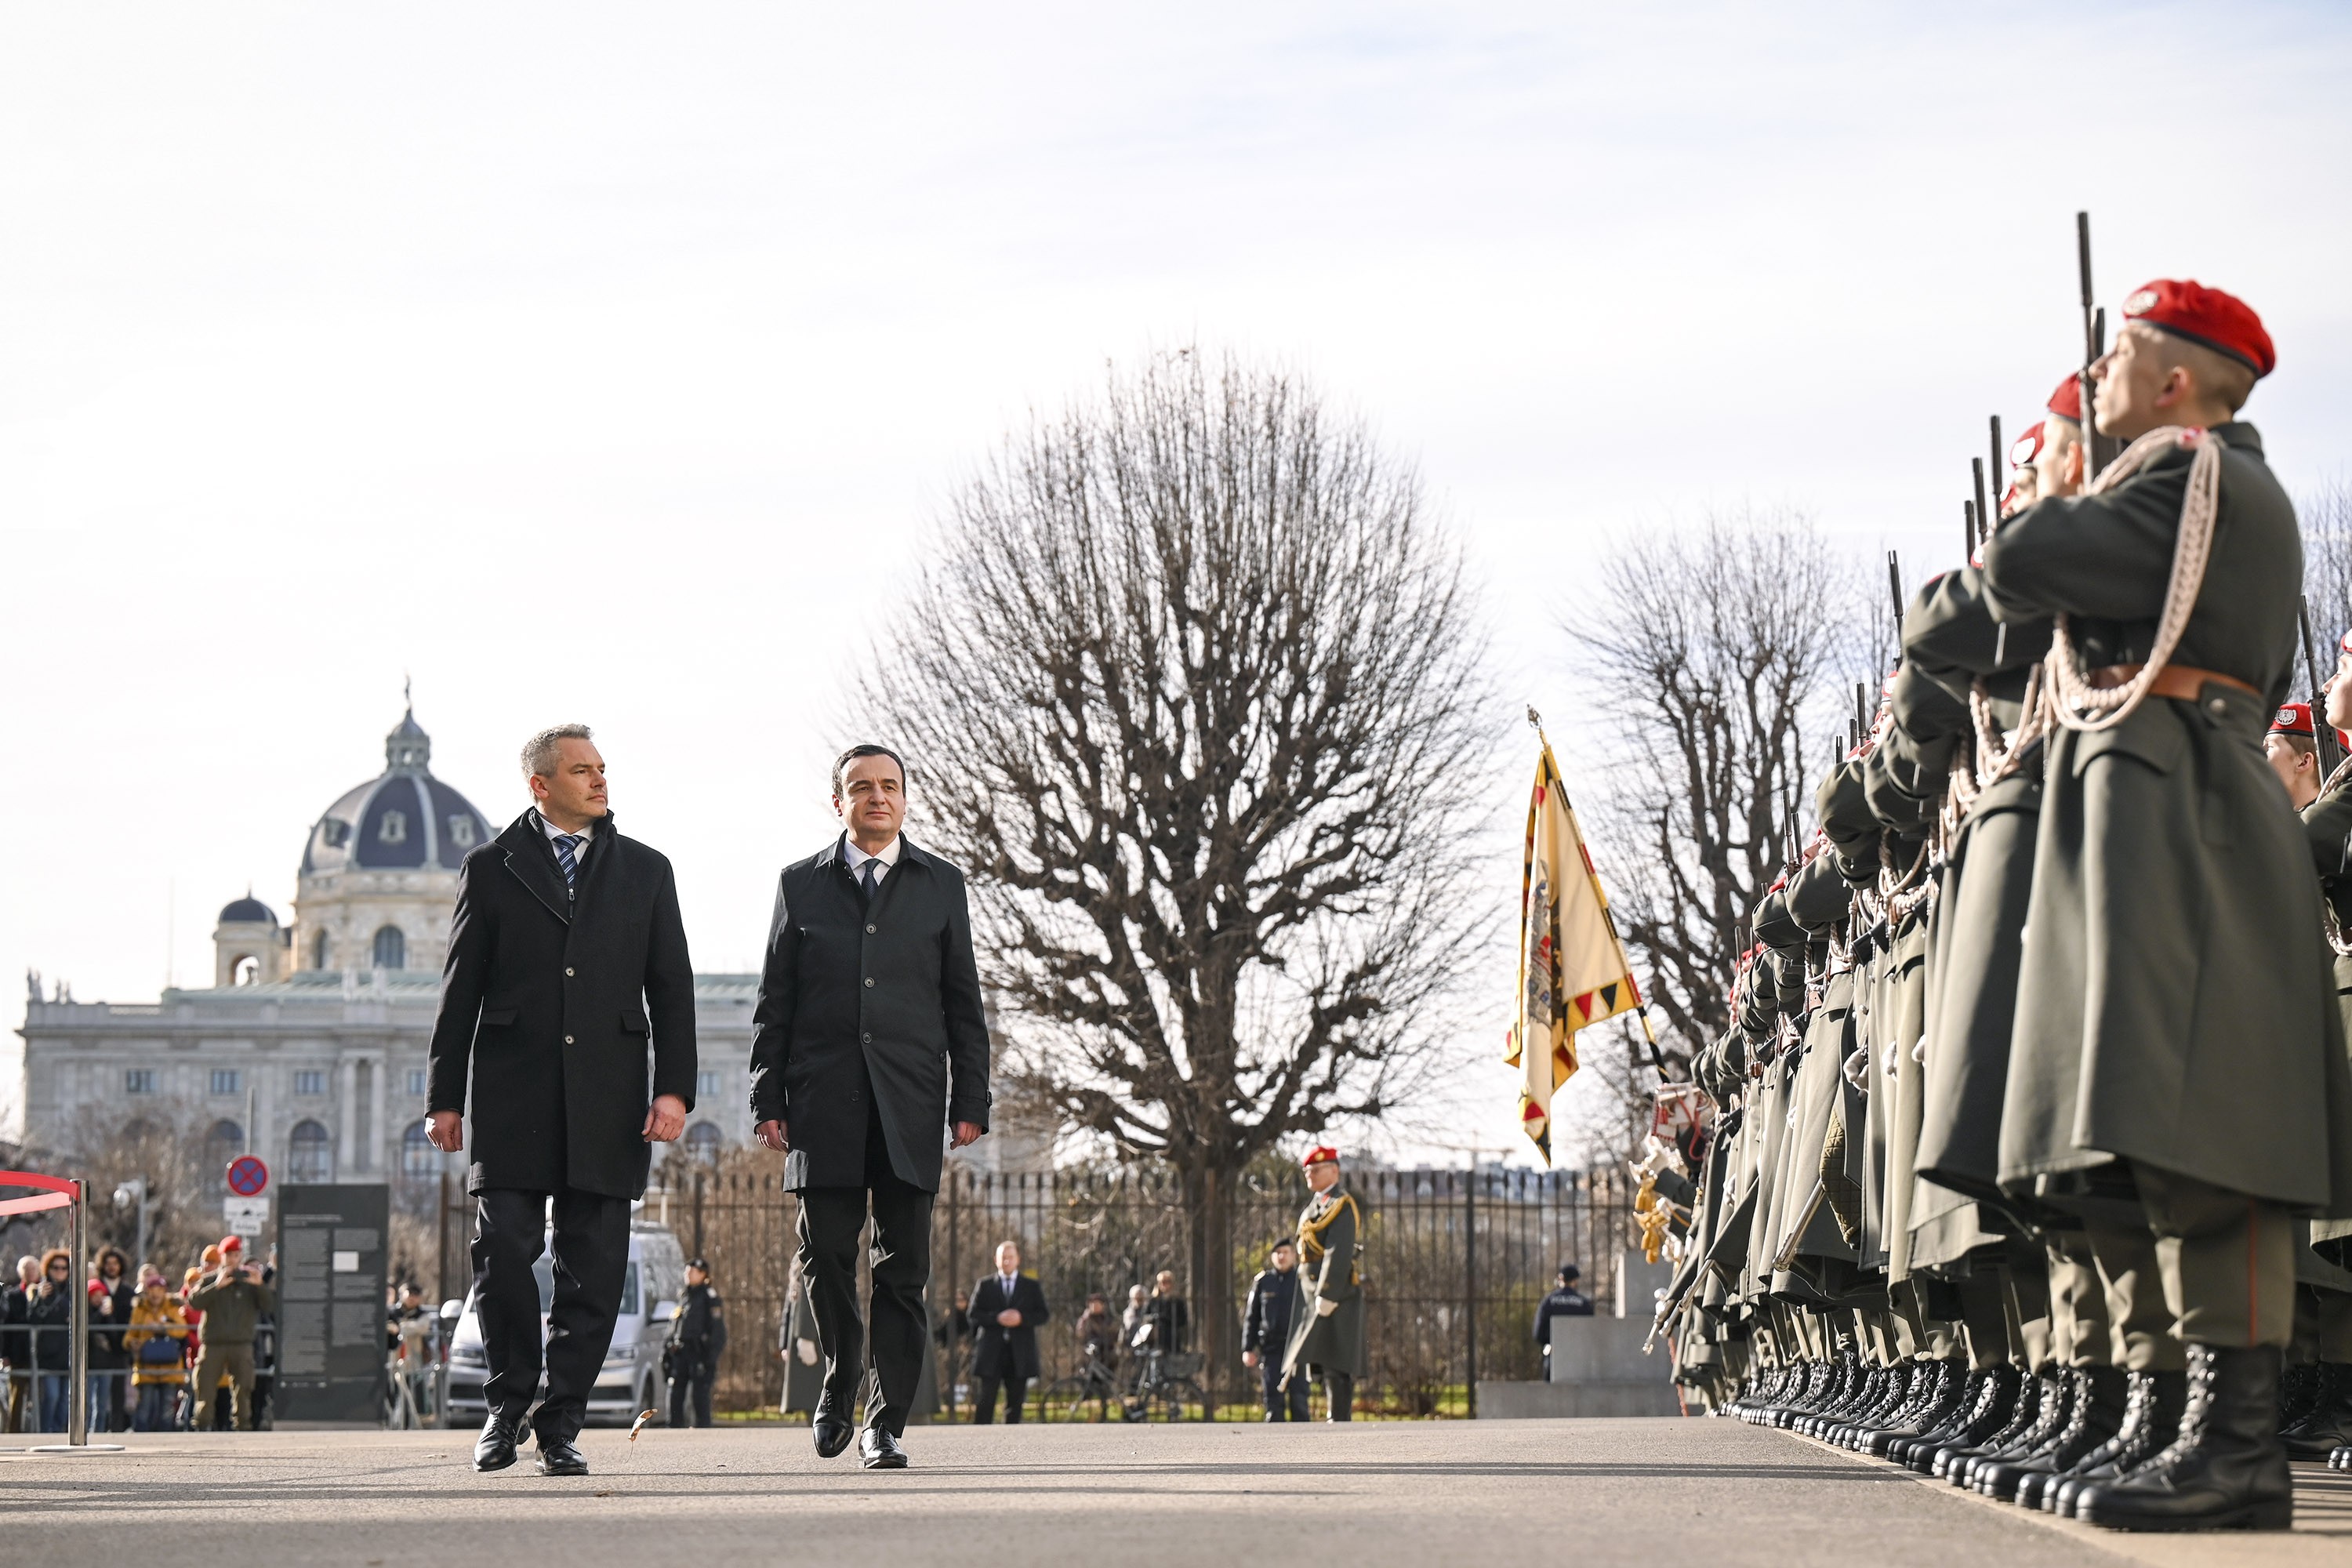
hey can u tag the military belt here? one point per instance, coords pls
(2183, 681)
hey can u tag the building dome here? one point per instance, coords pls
(404, 820)
(248, 911)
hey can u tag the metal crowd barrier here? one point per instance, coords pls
(72, 1195)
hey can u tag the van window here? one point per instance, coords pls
(629, 1293)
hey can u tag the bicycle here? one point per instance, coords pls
(1168, 1389)
(1090, 1395)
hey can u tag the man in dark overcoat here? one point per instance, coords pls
(868, 1045)
(1006, 1307)
(567, 1010)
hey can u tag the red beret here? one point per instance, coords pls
(2028, 447)
(2343, 644)
(2222, 322)
(1321, 1154)
(2067, 401)
(2295, 719)
(229, 1244)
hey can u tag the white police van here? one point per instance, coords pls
(631, 1380)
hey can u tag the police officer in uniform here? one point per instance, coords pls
(696, 1337)
(1327, 1315)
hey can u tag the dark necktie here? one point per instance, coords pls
(869, 877)
(567, 854)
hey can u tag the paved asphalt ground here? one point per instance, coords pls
(1422, 1493)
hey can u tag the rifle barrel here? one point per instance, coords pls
(1984, 513)
(1999, 455)
(1894, 587)
(2322, 733)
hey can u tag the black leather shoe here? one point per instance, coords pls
(832, 1432)
(878, 1450)
(561, 1458)
(2325, 1423)
(495, 1448)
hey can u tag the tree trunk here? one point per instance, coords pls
(1209, 1205)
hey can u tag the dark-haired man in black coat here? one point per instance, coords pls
(1006, 1307)
(567, 970)
(869, 1041)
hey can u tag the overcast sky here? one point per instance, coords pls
(613, 362)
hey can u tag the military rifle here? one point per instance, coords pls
(1984, 513)
(2322, 733)
(1999, 455)
(2098, 450)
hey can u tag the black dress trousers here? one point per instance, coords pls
(591, 1257)
(831, 1220)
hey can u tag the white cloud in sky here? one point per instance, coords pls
(609, 363)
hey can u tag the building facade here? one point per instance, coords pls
(309, 1048)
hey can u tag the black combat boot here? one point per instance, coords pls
(2152, 1408)
(1956, 1392)
(1990, 1413)
(2299, 1391)
(2022, 1415)
(2327, 1425)
(1926, 1382)
(2340, 1458)
(1978, 1392)
(2226, 1470)
(2053, 1405)
(1894, 1389)
(2098, 1410)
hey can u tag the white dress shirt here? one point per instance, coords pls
(856, 859)
(586, 835)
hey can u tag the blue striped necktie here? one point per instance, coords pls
(567, 854)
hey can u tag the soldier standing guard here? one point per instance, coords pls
(1327, 1319)
(2174, 1042)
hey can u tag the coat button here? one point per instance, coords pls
(567, 1039)
(866, 1040)
(2218, 708)
(869, 982)
(870, 930)
(567, 972)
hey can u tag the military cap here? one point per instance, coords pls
(2067, 401)
(1321, 1154)
(2222, 322)
(2293, 719)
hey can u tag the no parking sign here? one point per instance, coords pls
(247, 1175)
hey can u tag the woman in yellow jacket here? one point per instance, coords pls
(157, 1339)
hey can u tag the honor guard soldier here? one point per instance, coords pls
(1327, 1321)
(2169, 962)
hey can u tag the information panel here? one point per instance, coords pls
(332, 1260)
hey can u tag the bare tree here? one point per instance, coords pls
(2326, 514)
(1190, 674)
(1715, 650)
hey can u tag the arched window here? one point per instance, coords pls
(318, 951)
(702, 1141)
(222, 1143)
(391, 949)
(418, 1157)
(309, 1153)
(245, 971)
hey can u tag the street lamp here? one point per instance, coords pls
(136, 1191)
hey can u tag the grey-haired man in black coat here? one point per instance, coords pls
(568, 1005)
(870, 1053)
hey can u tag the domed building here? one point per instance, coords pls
(380, 869)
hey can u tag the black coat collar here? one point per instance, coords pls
(531, 859)
(838, 853)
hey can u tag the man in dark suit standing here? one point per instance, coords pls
(1006, 1307)
(567, 968)
(867, 1042)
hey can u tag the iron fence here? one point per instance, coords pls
(1441, 1313)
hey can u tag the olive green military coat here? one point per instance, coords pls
(1328, 1272)
(2175, 1002)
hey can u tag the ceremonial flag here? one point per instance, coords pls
(1573, 968)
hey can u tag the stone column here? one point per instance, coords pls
(346, 1067)
(375, 1160)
